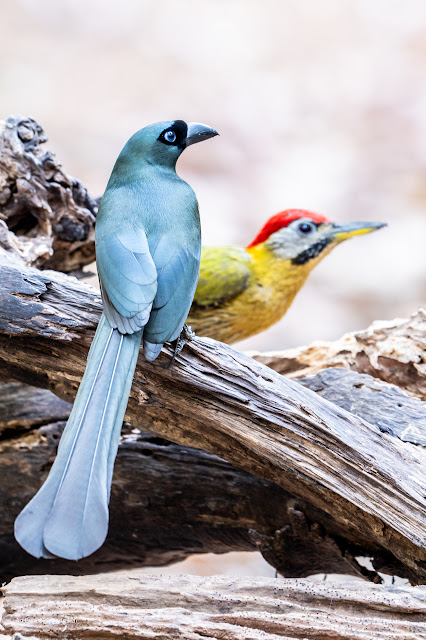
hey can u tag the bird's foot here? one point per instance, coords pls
(186, 335)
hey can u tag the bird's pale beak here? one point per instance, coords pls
(340, 232)
(198, 132)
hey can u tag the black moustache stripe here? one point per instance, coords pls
(311, 252)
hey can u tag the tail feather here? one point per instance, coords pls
(121, 406)
(68, 517)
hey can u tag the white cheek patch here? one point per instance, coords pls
(287, 244)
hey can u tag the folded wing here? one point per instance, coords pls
(128, 278)
(224, 274)
(177, 272)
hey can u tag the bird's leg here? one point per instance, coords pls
(186, 335)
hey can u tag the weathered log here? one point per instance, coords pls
(229, 608)
(50, 216)
(380, 403)
(394, 351)
(170, 501)
(24, 408)
(367, 485)
(167, 502)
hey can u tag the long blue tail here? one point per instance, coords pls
(68, 517)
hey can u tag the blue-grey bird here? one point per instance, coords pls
(148, 249)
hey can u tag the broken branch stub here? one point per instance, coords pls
(50, 215)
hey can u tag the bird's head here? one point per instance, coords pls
(162, 143)
(304, 237)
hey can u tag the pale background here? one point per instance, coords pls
(321, 104)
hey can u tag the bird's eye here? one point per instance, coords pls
(170, 136)
(305, 227)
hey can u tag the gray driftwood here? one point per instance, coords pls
(365, 483)
(229, 608)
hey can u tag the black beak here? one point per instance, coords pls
(198, 132)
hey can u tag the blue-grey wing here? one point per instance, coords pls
(178, 266)
(128, 278)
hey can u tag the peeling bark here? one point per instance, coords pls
(393, 351)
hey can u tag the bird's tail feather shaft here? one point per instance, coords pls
(68, 517)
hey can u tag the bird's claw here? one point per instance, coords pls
(186, 335)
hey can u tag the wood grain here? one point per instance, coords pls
(170, 501)
(368, 481)
(221, 607)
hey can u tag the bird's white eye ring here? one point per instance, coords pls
(170, 136)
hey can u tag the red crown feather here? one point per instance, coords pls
(283, 219)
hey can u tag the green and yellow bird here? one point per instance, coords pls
(242, 291)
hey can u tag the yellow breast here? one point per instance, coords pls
(270, 290)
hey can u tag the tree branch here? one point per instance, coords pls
(187, 501)
(368, 486)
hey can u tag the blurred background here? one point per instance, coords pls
(320, 105)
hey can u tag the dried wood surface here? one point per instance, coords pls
(49, 214)
(366, 483)
(170, 501)
(221, 607)
(24, 408)
(393, 351)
